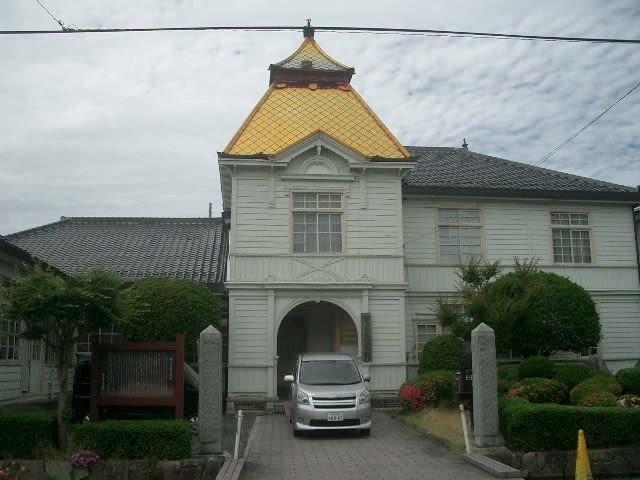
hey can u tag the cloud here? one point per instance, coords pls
(129, 124)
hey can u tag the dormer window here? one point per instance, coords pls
(317, 222)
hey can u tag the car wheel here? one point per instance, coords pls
(365, 432)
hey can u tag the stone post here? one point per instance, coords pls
(210, 396)
(485, 386)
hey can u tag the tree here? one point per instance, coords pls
(533, 312)
(156, 309)
(54, 308)
(472, 278)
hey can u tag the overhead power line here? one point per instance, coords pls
(568, 140)
(374, 30)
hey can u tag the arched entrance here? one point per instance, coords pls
(313, 327)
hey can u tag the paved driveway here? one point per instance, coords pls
(392, 451)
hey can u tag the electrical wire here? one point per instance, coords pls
(59, 22)
(568, 140)
(375, 30)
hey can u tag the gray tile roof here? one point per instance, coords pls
(442, 170)
(134, 248)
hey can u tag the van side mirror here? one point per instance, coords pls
(366, 378)
(288, 378)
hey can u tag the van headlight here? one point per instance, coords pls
(364, 397)
(302, 398)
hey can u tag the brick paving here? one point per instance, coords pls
(391, 452)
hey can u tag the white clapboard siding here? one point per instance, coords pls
(386, 327)
(248, 333)
(620, 319)
(10, 385)
(376, 229)
(262, 227)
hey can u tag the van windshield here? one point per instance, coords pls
(329, 372)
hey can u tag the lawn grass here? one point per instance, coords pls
(443, 425)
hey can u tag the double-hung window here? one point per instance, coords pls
(317, 222)
(425, 332)
(9, 340)
(460, 235)
(571, 236)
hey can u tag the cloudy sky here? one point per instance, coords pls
(129, 124)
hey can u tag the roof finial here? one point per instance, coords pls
(308, 30)
(465, 144)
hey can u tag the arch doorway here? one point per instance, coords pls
(313, 327)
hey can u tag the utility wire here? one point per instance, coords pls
(378, 30)
(59, 22)
(568, 140)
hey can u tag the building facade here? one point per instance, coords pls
(341, 239)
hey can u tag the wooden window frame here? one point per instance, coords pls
(317, 210)
(578, 228)
(460, 225)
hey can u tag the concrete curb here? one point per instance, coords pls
(494, 467)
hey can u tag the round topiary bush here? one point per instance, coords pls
(597, 384)
(441, 353)
(540, 390)
(629, 380)
(536, 367)
(571, 374)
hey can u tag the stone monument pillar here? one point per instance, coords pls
(210, 396)
(485, 386)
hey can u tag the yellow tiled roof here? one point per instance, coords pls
(287, 115)
(310, 93)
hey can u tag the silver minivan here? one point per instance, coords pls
(328, 392)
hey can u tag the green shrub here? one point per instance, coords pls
(571, 374)
(528, 427)
(536, 367)
(26, 435)
(540, 390)
(599, 383)
(438, 388)
(147, 439)
(629, 380)
(441, 353)
(597, 399)
(507, 377)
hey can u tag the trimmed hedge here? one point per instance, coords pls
(26, 435)
(593, 387)
(528, 427)
(536, 367)
(629, 380)
(128, 439)
(571, 374)
(540, 390)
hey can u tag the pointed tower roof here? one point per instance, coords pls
(310, 93)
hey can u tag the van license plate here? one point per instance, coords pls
(335, 417)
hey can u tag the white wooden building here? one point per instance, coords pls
(341, 239)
